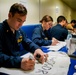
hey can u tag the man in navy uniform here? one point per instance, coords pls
(12, 38)
(59, 31)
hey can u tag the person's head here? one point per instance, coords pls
(73, 22)
(61, 20)
(66, 23)
(17, 16)
(47, 22)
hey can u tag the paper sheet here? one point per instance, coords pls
(57, 64)
(58, 46)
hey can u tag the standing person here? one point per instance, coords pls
(11, 36)
(59, 31)
(41, 34)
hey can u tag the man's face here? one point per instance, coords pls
(16, 21)
(73, 24)
(64, 23)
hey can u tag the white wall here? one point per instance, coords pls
(37, 10)
(73, 14)
(54, 8)
(33, 11)
(4, 8)
(31, 5)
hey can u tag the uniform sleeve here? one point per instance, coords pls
(8, 61)
(65, 33)
(69, 26)
(28, 44)
(38, 39)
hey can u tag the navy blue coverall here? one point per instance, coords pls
(41, 37)
(59, 32)
(10, 45)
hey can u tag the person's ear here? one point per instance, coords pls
(9, 15)
(62, 21)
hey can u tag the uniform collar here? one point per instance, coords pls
(6, 26)
(60, 25)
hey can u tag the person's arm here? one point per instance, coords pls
(28, 44)
(33, 48)
(15, 61)
(27, 64)
(40, 56)
(9, 61)
(65, 33)
(6, 60)
(38, 39)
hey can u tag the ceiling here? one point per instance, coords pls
(70, 3)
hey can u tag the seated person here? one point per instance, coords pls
(11, 37)
(59, 31)
(74, 26)
(71, 25)
(40, 34)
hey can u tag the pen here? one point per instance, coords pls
(31, 57)
(38, 56)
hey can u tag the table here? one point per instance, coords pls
(72, 70)
(64, 49)
(57, 64)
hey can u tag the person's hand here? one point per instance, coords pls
(54, 41)
(27, 64)
(40, 56)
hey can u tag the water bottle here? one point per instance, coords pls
(68, 42)
(69, 36)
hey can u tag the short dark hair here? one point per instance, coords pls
(73, 21)
(18, 8)
(60, 18)
(46, 18)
